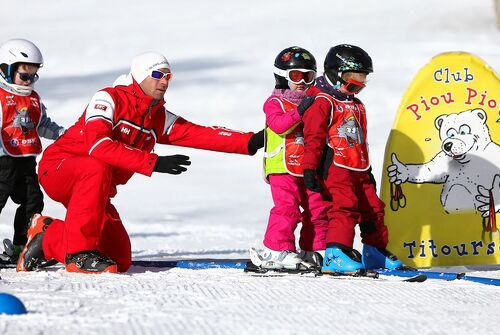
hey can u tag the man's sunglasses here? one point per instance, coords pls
(158, 75)
(28, 77)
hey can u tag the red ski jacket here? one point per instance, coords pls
(121, 125)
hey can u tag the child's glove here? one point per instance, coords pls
(372, 177)
(311, 181)
(171, 164)
(305, 104)
(256, 142)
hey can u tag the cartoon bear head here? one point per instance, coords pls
(463, 133)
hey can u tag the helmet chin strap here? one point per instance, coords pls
(16, 89)
(337, 84)
(5, 72)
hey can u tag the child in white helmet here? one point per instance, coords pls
(23, 120)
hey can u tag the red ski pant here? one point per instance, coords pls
(289, 194)
(351, 199)
(82, 185)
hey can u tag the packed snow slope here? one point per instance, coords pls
(222, 55)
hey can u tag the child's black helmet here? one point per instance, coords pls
(293, 58)
(346, 58)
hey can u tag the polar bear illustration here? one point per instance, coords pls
(468, 164)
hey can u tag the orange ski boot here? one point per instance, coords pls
(32, 255)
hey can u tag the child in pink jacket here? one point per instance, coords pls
(294, 71)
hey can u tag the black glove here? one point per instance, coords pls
(171, 164)
(311, 181)
(372, 178)
(326, 162)
(304, 104)
(256, 142)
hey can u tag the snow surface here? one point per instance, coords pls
(222, 54)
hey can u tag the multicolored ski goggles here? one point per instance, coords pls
(297, 76)
(158, 75)
(28, 77)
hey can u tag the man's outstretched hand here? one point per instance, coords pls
(256, 142)
(172, 164)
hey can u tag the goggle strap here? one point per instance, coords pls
(283, 73)
(9, 75)
(279, 72)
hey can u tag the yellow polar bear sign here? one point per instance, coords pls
(441, 179)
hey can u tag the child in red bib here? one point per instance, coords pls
(23, 121)
(335, 145)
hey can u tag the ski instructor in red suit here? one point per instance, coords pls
(111, 141)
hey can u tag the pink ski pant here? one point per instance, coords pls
(289, 194)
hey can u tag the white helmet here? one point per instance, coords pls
(18, 50)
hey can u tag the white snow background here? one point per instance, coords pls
(222, 54)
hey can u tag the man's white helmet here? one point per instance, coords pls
(18, 50)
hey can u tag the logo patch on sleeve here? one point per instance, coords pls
(101, 107)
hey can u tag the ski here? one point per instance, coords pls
(449, 276)
(7, 265)
(194, 263)
(412, 279)
(409, 275)
(482, 280)
(256, 260)
(419, 278)
(371, 274)
(10, 265)
(253, 270)
(6, 261)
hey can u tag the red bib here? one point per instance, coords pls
(20, 118)
(347, 134)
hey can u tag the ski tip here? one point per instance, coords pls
(251, 267)
(416, 279)
(358, 273)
